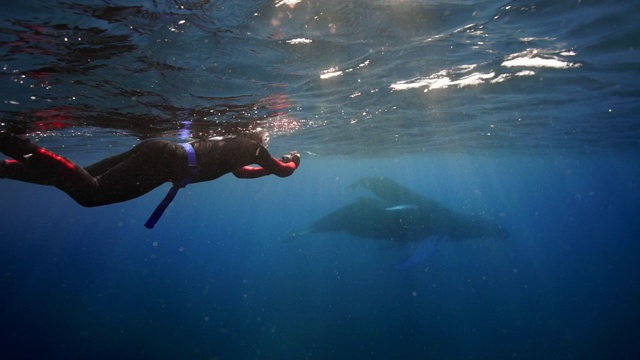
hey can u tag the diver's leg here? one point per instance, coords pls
(105, 165)
(15, 170)
(140, 170)
(37, 165)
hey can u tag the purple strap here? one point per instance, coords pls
(193, 169)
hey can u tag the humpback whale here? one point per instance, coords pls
(400, 215)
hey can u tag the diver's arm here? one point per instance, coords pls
(250, 172)
(269, 165)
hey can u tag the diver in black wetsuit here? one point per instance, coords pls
(148, 165)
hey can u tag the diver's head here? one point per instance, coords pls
(258, 135)
(254, 133)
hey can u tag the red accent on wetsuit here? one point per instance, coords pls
(287, 168)
(252, 172)
(58, 158)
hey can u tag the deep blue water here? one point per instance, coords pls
(523, 112)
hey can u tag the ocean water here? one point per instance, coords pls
(524, 112)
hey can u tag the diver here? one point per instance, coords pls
(146, 166)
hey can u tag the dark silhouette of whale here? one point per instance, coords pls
(401, 215)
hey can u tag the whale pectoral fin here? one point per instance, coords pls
(402, 207)
(293, 235)
(421, 253)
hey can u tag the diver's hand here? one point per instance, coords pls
(292, 157)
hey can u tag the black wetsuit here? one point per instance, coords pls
(134, 173)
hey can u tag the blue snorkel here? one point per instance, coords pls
(193, 170)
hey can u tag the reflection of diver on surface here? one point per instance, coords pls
(403, 216)
(148, 165)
